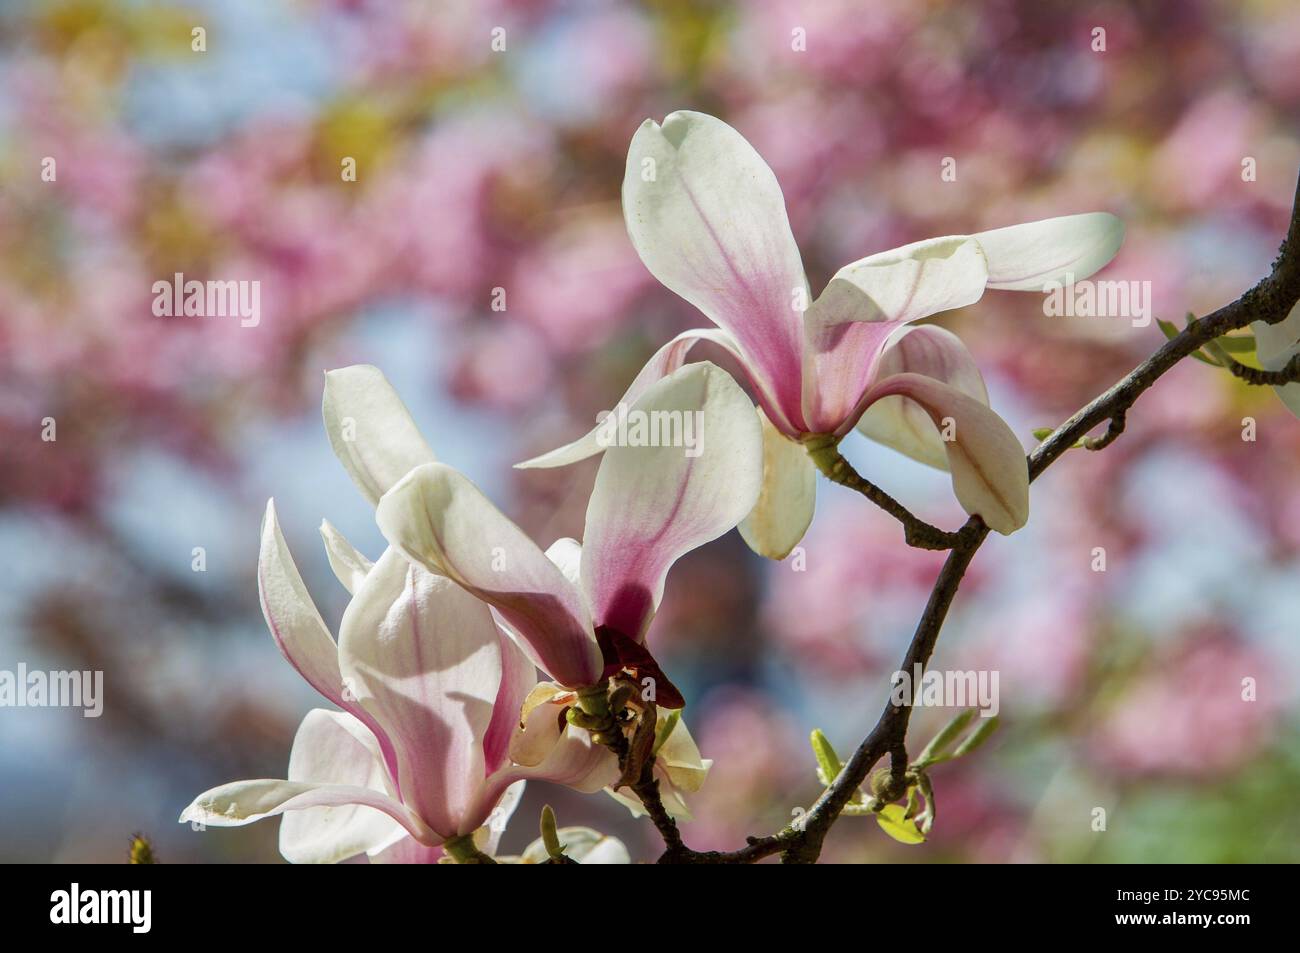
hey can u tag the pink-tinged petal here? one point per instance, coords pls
(349, 566)
(371, 430)
(1275, 345)
(1026, 257)
(903, 424)
(408, 850)
(556, 752)
(488, 837)
(540, 724)
(707, 217)
(424, 658)
(653, 504)
(990, 474)
(787, 499)
(865, 303)
(518, 676)
(299, 631)
(243, 802)
(665, 361)
(338, 784)
(441, 520)
(333, 747)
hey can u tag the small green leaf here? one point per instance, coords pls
(828, 762)
(1170, 329)
(893, 822)
(977, 737)
(1241, 344)
(940, 743)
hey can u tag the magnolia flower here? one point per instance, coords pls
(1275, 346)
(580, 611)
(428, 744)
(708, 219)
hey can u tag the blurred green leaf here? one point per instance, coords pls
(941, 742)
(1242, 344)
(828, 762)
(892, 820)
(977, 737)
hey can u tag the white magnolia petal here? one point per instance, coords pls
(333, 747)
(349, 565)
(296, 626)
(1026, 257)
(679, 756)
(904, 425)
(518, 678)
(1275, 345)
(371, 430)
(866, 302)
(540, 724)
(566, 554)
(787, 499)
(243, 802)
(664, 361)
(904, 284)
(581, 845)
(707, 217)
(424, 658)
(573, 760)
(488, 837)
(672, 801)
(990, 473)
(441, 520)
(653, 504)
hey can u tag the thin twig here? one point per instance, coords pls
(1287, 374)
(916, 531)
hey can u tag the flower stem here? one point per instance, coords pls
(825, 453)
(462, 850)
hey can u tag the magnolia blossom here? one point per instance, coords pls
(1276, 345)
(650, 506)
(442, 714)
(707, 217)
(580, 611)
(429, 739)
